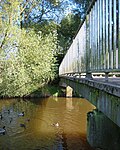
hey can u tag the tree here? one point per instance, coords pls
(67, 30)
(69, 25)
(27, 57)
(28, 67)
(41, 10)
(81, 6)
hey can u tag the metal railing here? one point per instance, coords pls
(96, 47)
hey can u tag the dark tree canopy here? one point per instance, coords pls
(82, 6)
(67, 30)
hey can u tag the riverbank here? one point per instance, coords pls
(47, 91)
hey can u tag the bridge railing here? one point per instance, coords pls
(96, 47)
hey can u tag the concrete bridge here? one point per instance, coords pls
(91, 65)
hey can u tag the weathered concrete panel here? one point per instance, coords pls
(102, 133)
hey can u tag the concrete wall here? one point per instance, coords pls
(102, 133)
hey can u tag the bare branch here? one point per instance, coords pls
(25, 6)
(4, 39)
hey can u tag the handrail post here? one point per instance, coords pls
(88, 51)
(89, 75)
(119, 34)
(106, 76)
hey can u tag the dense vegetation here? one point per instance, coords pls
(33, 39)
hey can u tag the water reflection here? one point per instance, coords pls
(69, 104)
(52, 124)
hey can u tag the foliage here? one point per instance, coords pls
(27, 11)
(67, 30)
(46, 27)
(29, 65)
(81, 6)
(48, 90)
(69, 25)
(40, 10)
(10, 12)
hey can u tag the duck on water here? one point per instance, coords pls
(2, 130)
(21, 114)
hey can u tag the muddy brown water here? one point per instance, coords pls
(47, 124)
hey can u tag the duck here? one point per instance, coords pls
(21, 114)
(27, 120)
(2, 130)
(7, 111)
(1, 117)
(23, 125)
(11, 120)
(55, 124)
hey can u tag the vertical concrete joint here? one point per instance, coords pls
(106, 76)
(89, 76)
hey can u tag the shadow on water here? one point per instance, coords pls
(102, 132)
(52, 124)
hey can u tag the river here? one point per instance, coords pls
(47, 124)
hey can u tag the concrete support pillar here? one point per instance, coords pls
(69, 91)
(102, 133)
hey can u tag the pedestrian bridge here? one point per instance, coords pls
(91, 65)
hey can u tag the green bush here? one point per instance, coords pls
(27, 62)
